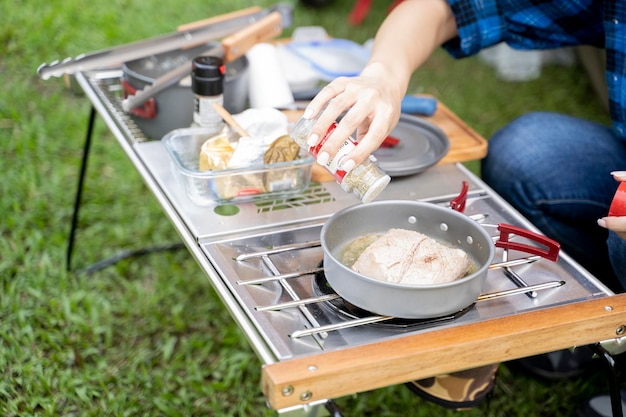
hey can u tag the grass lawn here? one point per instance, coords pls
(148, 336)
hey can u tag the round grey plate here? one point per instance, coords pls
(421, 146)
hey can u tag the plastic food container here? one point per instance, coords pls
(271, 181)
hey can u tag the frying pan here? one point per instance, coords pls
(447, 226)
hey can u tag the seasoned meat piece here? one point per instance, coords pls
(408, 257)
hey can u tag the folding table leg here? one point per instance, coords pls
(79, 190)
(613, 375)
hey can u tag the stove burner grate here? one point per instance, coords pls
(344, 308)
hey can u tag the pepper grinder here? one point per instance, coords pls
(207, 85)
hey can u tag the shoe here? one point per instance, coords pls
(559, 364)
(600, 406)
(458, 390)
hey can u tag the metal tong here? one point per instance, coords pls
(229, 49)
(186, 37)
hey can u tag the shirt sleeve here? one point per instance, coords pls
(546, 24)
(615, 47)
(479, 25)
(524, 24)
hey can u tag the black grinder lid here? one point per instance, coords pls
(207, 75)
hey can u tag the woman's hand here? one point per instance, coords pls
(371, 102)
(369, 107)
(615, 223)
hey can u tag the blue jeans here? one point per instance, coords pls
(555, 170)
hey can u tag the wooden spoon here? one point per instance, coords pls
(228, 118)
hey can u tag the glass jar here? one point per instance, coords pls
(366, 180)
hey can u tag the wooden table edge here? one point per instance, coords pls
(348, 371)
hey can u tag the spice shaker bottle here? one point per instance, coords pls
(207, 85)
(366, 180)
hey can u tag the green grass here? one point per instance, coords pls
(149, 336)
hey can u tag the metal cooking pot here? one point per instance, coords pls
(172, 108)
(401, 300)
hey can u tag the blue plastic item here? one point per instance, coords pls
(424, 106)
(332, 58)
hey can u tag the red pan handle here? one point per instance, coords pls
(458, 203)
(389, 142)
(552, 247)
(148, 110)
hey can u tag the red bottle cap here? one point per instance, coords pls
(618, 206)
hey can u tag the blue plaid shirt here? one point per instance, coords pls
(544, 24)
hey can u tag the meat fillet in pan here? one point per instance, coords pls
(409, 257)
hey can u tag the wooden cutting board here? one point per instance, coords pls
(465, 143)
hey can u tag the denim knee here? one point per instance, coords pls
(617, 254)
(515, 149)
